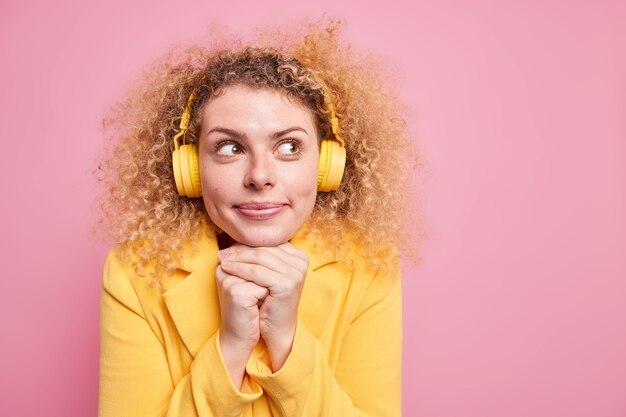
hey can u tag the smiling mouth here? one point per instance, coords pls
(257, 211)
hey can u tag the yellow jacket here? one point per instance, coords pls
(160, 356)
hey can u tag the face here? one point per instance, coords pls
(259, 155)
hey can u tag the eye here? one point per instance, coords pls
(228, 149)
(289, 147)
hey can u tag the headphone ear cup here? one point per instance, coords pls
(332, 165)
(177, 175)
(187, 171)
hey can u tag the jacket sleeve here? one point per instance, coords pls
(367, 381)
(134, 372)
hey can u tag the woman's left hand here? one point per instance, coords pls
(281, 269)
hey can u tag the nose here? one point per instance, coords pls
(260, 172)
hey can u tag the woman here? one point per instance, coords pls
(257, 199)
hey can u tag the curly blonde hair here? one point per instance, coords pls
(150, 222)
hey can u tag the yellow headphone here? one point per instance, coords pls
(187, 168)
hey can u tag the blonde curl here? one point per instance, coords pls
(150, 222)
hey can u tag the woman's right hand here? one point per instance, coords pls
(239, 331)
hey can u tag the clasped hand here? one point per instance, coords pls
(259, 290)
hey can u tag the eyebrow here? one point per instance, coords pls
(235, 133)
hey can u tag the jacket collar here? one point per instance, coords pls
(194, 305)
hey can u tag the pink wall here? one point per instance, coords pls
(519, 307)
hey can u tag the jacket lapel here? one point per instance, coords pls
(193, 302)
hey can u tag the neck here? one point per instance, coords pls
(224, 241)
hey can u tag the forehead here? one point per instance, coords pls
(243, 104)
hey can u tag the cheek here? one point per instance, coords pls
(213, 190)
(217, 192)
(303, 180)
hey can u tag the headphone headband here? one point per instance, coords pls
(334, 121)
(184, 120)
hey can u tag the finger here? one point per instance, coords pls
(273, 257)
(247, 288)
(233, 248)
(293, 256)
(258, 274)
(286, 247)
(240, 288)
(226, 280)
(230, 281)
(270, 258)
(220, 275)
(292, 250)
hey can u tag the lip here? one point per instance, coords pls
(260, 210)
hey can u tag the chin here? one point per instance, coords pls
(257, 234)
(264, 239)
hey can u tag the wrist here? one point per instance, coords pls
(279, 350)
(234, 343)
(281, 344)
(235, 357)
(235, 347)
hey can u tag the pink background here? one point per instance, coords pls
(519, 307)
